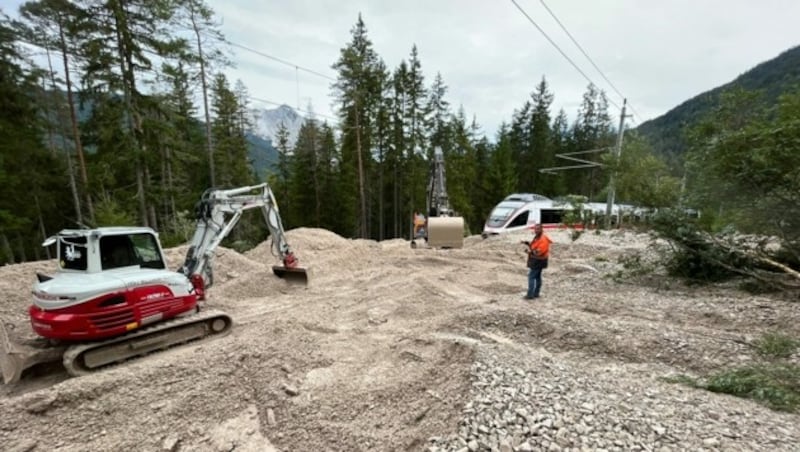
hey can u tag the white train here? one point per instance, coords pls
(522, 210)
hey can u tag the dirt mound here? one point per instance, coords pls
(393, 348)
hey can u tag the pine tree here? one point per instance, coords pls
(328, 177)
(382, 140)
(183, 160)
(231, 163)
(560, 143)
(439, 110)
(28, 171)
(305, 183)
(357, 91)
(519, 140)
(397, 155)
(55, 24)
(502, 177)
(591, 131)
(541, 153)
(461, 169)
(280, 180)
(197, 16)
(123, 37)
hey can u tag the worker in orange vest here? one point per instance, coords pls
(419, 225)
(538, 255)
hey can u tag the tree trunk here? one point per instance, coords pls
(41, 228)
(380, 196)
(21, 247)
(317, 194)
(151, 208)
(6, 247)
(363, 225)
(76, 135)
(396, 204)
(134, 121)
(204, 86)
(72, 184)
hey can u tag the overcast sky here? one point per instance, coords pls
(657, 53)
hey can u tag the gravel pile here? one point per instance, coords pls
(528, 400)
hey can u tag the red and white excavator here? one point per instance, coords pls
(113, 298)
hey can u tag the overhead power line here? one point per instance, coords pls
(559, 49)
(274, 58)
(574, 41)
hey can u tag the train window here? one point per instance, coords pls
(520, 220)
(552, 216)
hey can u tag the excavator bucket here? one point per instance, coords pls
(16, 358)
(446, 232)
(295, 275)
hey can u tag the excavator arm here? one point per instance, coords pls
(217, 213)
(438, 202)
(443, 228)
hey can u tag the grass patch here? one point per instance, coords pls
(774, 385)
(777, 345)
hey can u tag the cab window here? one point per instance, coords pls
(72, 253)
(147, 251)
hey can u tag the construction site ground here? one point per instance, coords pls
(393, 348)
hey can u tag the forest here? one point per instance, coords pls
(108, 132)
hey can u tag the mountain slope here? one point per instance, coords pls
(262, 154)
(262, 137)
(267, 122)
(773, 78)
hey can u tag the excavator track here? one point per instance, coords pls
(86, 358)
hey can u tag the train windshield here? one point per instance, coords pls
(501, 213)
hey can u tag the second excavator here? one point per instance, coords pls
(112, 297)
(442, 228)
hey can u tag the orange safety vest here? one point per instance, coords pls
(542, 246)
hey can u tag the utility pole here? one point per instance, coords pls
(617, 153)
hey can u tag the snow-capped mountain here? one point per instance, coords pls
(266, 123)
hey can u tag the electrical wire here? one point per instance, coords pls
(297, 67)
(574, 41)
(559, 49)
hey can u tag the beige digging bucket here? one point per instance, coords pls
(446, 232)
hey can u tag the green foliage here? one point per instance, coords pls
(744, 167)
(228, 130)
(777, 345)
(772, 78)
(575, 218)
(693, 256)
(642, 177)
(108, 212)
(179, 231)
(775, 385)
